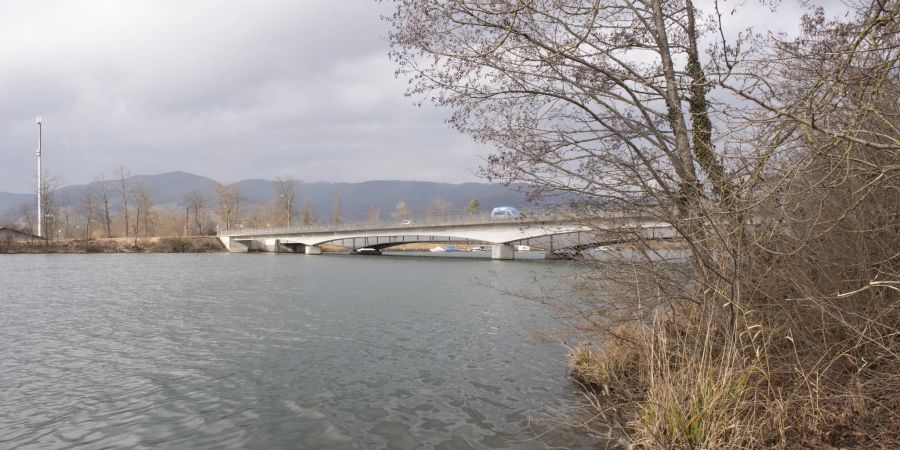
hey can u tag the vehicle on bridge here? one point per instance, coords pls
(504, 212)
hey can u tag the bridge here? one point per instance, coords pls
(551, 231)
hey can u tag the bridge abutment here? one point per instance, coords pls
(503, 251)
(233, 245)
(312, 250)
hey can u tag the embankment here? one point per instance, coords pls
(188, 244)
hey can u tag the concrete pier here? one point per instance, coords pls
(312, 250)
(503, 251)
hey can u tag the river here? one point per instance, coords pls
(278, 351)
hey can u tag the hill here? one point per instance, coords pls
(169, 189)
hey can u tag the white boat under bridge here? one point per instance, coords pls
(549, 231)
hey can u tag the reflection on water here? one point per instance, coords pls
(274, 351)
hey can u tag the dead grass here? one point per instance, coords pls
(189, 244)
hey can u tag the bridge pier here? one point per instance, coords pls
(503, 251)
(312, 250)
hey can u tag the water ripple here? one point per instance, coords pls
(249, 351)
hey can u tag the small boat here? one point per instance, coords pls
(438, 249)
(451, 248)
(368, 251)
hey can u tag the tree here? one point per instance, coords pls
(438, 207)
(122, 175)
(472, 207)
(65, 211)
(336, 208)
(27, 212)
(88, 210)
(573, 100)
(373, 214)
(401, 211)
(101, 190)
(286, 196)
(228, 204)
(49, 187)
(143, 213)
(308, 216)
(776, 161)
(195, 202)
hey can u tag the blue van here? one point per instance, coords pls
(504, 212)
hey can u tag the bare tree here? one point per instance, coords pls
(438, 207)
(88, 210)
(308, 216)
(195, 202)
(49, 205)
(27, 211)
(102, 193)
(122, 175)
(401, 211)
(228, 204)
(143, 212)
(65, 211)
(775, 161)
(286, 197)
(373, 214)
(336, 208)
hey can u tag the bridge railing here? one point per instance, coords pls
(529, 215)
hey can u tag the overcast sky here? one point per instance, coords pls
(226, 89)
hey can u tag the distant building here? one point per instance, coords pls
(10, 234)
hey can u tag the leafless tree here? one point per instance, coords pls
(286, 197)
(88, 210)
(373, 214)
(472, 207)
(195, 202)
(401, 211)
(27, 211)
(228, 204)
(308, 216)
(336, 208)
(49, 205)
(65, 211)
(143, 212)
(438, 207)
(122, 174)
(101, 190)
(775, 160)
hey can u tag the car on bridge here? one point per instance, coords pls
(504, 212)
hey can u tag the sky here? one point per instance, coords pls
(229, 89)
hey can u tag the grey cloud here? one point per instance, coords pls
(226, 89)
(230, 90)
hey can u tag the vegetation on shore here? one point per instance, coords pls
(776, 160)
(179, 244)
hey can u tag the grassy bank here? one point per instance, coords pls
(804, 353)
(188, 244)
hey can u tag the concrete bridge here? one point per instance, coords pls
(551, 231)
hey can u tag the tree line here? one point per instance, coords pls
(121, 207)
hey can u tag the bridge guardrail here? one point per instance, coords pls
(525, 216)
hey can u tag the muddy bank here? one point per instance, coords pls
(189, 244)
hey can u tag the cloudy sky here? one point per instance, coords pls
(230, 90)
(227, 89)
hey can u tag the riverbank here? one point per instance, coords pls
(177, 244)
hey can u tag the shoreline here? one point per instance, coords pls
(168, 244)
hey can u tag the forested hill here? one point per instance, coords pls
(168, 190)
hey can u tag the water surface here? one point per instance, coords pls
(276, 351)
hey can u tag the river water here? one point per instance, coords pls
(278, 351)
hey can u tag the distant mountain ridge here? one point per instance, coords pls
(169, 189)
